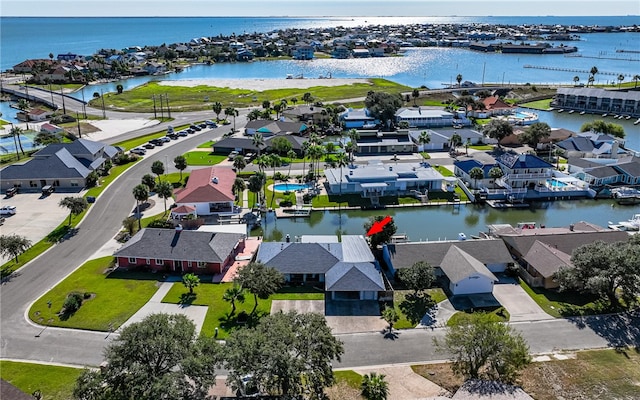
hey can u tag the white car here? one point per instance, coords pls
(7, 210)
(139, 151)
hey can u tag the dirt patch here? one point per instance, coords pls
(342, 391)
(440, 374)
(85, 129)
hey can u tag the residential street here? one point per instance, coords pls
(23, 341)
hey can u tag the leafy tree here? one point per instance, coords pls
(258, 141)
(217, 109)
(119, 88)
(593, 72)
(456, 140)
(419, 276)
(535, 133)
(482, 347)
(190, 281)
(45, 138)
(496, 173)
(160, 357)
(576, 79)
(390, 316)
(254, 114)
(415, 94)
(606, 270)
(374, 387)
(180, 162)
(307, 98)
(13, 245)
(164, 190)
(141, 194)
(75, 205)
(280, 145)
(256, 182)
(233, 294)
(239, 163)
(285, 355)
(238, 186)
(157, 168)
(620, 79)
(600, 126)
(149, 181)
(129, 224)
(635, 79)
(381, 237)
(261, 281)
(498, 129)
(383, 106)
(476, 173)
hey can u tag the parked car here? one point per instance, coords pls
(157, 142)
(183, 133)
(202, 125)
(149, 146)
(195, 127)
(139, 151)
(211, 124)
(169, 129)
(48, 189)
(165, 139)
(232, 155)
(7, 210)
(11, 192)
(173, 136)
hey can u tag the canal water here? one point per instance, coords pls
(446, 222)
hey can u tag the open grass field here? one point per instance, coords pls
(219, 313)
(184, 98)
(53, 382)
(203, 158)
(113, 297)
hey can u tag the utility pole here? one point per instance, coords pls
(84, 105)
(78, 122)
(64, 108)
(484, 65)
(155, 114)
(168, 109)
(104, 113)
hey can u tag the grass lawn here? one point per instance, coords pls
(114, 297)
(425, 155)
(564, 304)
(53, 382)
(346, 386)
(500, 314)
(482, 147)
(184, 98)
(175, 180)
(594, 374)
(542, 105)
(218, 315)
(207, 145)
(411, 309)
(444, 171)
(203, 158)
(140, 140)
(274, 198)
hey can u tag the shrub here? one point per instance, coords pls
(159, 223)
(86, 295)
(72, 303)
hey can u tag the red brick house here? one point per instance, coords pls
(180, 250)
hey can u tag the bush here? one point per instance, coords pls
(307, 198)
(286, 203)
(72, 303)
(159, 223)
(86, 295)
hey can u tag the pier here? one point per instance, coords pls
(576, 70)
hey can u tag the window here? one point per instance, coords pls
(132, 260)
(33, 184)
(202, 264)
(73, 183)
(159, 261)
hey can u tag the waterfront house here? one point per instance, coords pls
(306, 113)
(65, 166)
(523, 171)
(422, 117)
(376, 179)
(341, 52)
(462, 170)
(268, 127)
(493, 106)
(467, 266)
(209, 191)
(598, 100)
(591, 145)
(50, 128)
(372, 142)
(346, 270)
(302, 51)
(599, 172)
(182, 251)
(358, 119)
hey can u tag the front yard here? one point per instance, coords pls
(564, 304)
(411, 308)
(53, 382)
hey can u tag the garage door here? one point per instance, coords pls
(346, 295)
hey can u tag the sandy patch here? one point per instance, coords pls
(115, 127)
(264, 84)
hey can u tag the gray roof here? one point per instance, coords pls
(61, 165)
(379, 172)
(546, 259)
(583, 162)
(577, 144)
(487, 251)
(77, 147)
(602, 93)
(349, 276)
(565, 242)
(169, 244)
(602, 172)
(458, 265)
(631, 168)
(236, 143)
(299, 258)
(355, 249)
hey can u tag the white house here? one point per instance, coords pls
(466, 275)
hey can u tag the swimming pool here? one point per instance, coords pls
(289, 187)
(556, 183)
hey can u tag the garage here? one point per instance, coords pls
(345, 295)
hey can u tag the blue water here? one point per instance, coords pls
(555, 183)
(285, 187)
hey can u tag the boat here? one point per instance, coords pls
(571, 111)
(630, 225)
(626, 195)
(637, 122)
(604, 115)
(627, 117)
(560, 110)
(582, 112)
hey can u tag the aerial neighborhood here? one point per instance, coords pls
(296, 234)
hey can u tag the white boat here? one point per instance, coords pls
(570, 111)
(604, 115)
(637, 122)
(632, 224)
(582, 112)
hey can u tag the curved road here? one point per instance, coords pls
(22, 340)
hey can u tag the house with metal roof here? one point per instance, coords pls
(598, 100)
(346, 270)
(423, 117)
(268, 127)
(358, 119)
(209, 192)
(65, 166)
(180, 250)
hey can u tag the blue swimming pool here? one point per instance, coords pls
(555, 183)
(289, 187)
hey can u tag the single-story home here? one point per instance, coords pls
(50, 128)
(346, 270)
(179, 250)
(422, 117)
(305, 113)
(268, 127)
(209, 191)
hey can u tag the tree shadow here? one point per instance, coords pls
(390, 334)
(619, 330)
(186, 299)
(416, 306)
(230, 322)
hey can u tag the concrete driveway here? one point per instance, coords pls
(35, 217)
(520, 305)
(404, 384)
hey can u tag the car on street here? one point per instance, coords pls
(202, 125)
(149, 146)
(139, 151)
(157, 142)
(7, 210)
(11, 192)
(165, 139)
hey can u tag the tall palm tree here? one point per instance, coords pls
(475, 174)
(258, 141)
(217, 108)
(305, 152)
(635, 79)
(233, 294)
(262, 162)
(291, 155)
(593, 72)
(254, 114)
(456, 140)
(459, 79)
(238, 163)
(16, 131)
(180, 162)
(495, 173)
(274, 161)
(141, 194)
(164, 190)
(620, 79)
(238, 186)
(230, 111)
(424, 138)
(374, 387)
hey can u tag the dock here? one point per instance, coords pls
(504, 204)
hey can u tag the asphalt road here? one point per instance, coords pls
(22, 340)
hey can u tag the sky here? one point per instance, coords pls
(300, 8)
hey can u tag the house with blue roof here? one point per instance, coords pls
(65, 166)
(462, 169)
(346, 270)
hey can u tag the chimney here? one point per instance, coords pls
(614, 149)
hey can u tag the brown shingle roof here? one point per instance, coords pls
(546, 259)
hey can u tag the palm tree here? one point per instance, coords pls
(475, 174)
(256, 182)
(390, 316)
(254, 114)
(258, 141)
(233, 294)
(635, 78)
(415, 94)
(374, 387)
(294, 100)
(593, 72)
(620, 79)
(230, 111)
(180, 162)
(238, 163)
(466, 146)
(291, 155)
(157, 168)
(141, 194)
(75, 205)
(424, 138)
(459, 79)
(341, 161)
(274, 161)
(190, 281)
(576, 79)
(305, 152)
(16, 131)
(262, 162)
(495, 173)
(456, 140)
(149, 181)
(217, 108)
(164, 190)
(238, 186)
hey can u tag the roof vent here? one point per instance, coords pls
(214, 179)
(390, 168)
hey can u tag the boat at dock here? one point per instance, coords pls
(630, 225)
(637, 122)
(626, 195)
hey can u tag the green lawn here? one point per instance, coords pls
(411, 309)
(542, 105)
(500, 314)
(351, 378)
(53, 382)
(425, 155)
(482, 147)
(207, 145)
(203, 158)
(140, 140)
(114, 297)
(564, 304)
(444, 171)
(218, 315)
